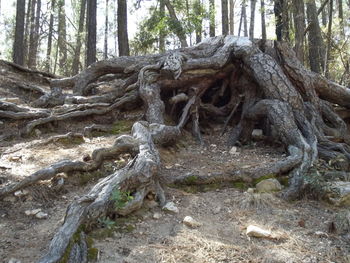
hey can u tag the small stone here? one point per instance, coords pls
(21, 193)
(257, 133)
(268, 185)
(234, 150)
(227, 201)
(213, 145)
(177, 165)
(168, 167)
(10, 199)
(217, 210)
(41, 215)
(250, 190)
(32, 212)
(321, 234)
(14, 260)
(255, 231)
(157, 215)
(37, 132)
(171, 207)
(190, 222)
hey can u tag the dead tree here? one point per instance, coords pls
(227, 78)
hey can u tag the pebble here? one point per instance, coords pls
(268, 185)
(171, 207)
(255, 231)
(21, 193)
(157, 215)
(41, 215)
(234, 150)
(32, 212)
(190, 222)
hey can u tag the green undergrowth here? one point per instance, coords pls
(83, 178)
(121, 126)
(194, 188)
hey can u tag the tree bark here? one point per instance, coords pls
(299, 25)
(105, 52)
(212, 18)
(79, 36)
(232, 13)
(252, 19)
(18, 45)
(263, 23)
(329, 40)
(49, 38)
(123, 40)
(224, 17)
(31, 50)
(62, 38)
(91, 32)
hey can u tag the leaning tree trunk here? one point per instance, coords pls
(241, 82)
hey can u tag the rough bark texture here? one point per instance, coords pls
(224, 17)
(235, 81)
(91, 32)
(123, 40)
(18, 45)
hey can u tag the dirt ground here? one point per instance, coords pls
(300, 229)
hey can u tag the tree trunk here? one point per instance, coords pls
(252, 19)
(212, 18)
(79, 36)
(244, 15)
(341, 18)
(299, 25)
(31, 51)
(263, 23)
(91, 32)
(18, 45)
(105, 53)
(224, 17)
(329, 39)
(27, 30)
(180, 32)
(49, 38)
(316, 48)
(123, 40)
(197, 6)
(232, 14)
(161, 31)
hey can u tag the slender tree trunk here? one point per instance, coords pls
(18, 45)
(115, 28)
(252, 19)
(224, 17)
(31, 52)
(80, 33)
(299, 25)
(49, 37)
(316, 48)
(105, 53)
(232, 13)
(212, 18)
(91, 32)
(27, 30)
(341, 18)
(278, 6)
(161, 31)
(188, 15)
(62, 38)
(123, 40)
(329, 39)
(180, 32)
(197, 6)
(324, 17)
(245, 22)
(263, 23)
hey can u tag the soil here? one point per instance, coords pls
(300, 229)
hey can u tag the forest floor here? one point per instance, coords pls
(300, 228)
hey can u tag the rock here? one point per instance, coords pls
(251, 190)
(268, 185)
(217, 210)
(255, 231)
(321, 234)
(21, 193)
(157, 215)
(37, 132)
(32, 212)
(257, 134)
(171, 207)
(227, 201)
(14, 260)
(41, 215)
(190, 222)
(234, 151)
(10, 199)
(341, 193)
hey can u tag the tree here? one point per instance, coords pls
(212, 18)
(263, 23)
(105, 52)
(252, 18)
(91, 32)
(49, 37)
(271, 86)
(34, 33)
(123, 40)
(18, 45)
(80, 33)
(162, 33)
(198, 19)
(176, 24)
(224, 17)
(232, 13)
(243, 20)
(299, 25)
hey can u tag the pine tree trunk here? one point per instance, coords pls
(31, 51)
(299, 25)
(27, 31)
(232, 13)
(105, 53)
(316, 47)
(197, 6)
(341, 18)
(224, 17)
(18, 45)
(62, 38)
(79, 36)
(91, 32)
(329, 39)
(49, 38)
(263, 23)
(212, 18)
(123, 40)
(252, 19)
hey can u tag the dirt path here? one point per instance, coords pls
(152, 235)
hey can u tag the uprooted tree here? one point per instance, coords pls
(245, 84)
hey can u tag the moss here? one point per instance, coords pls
(191, 179)
(240, 185)
(71, 141)
(121, 126)
(284, 180)
(92, 254)
(262, 178)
